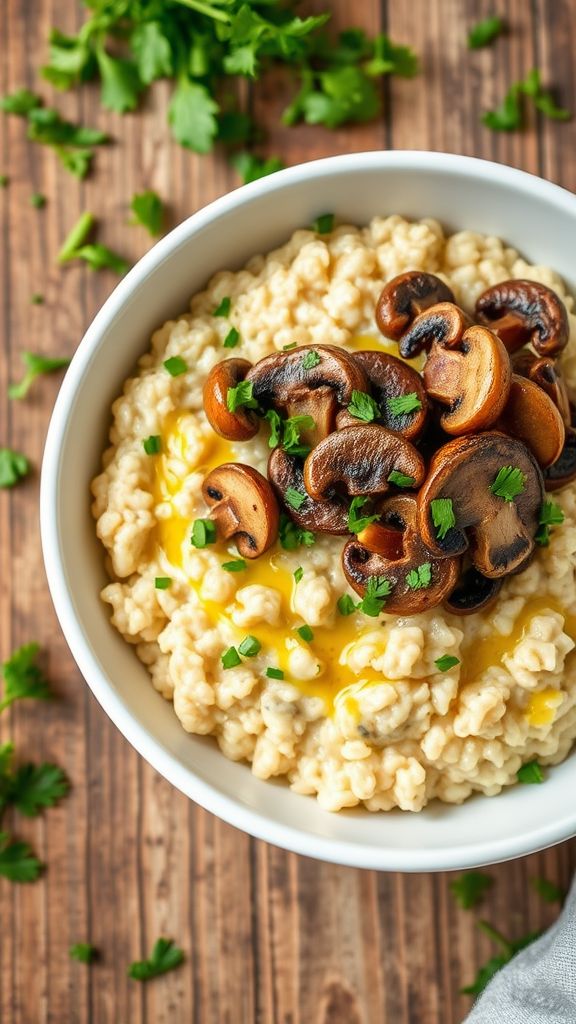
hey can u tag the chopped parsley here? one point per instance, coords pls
(249, 647)
(232, 338)
(162, 582)
(509, 949)
(153, 444)
(346, 605)
(549, 891)
(363, 407)
(35, 366)
(237, 565)
(293, 536)
(291, 434)
(13, 467)
(442, 516)
(252, 168)
(231, 658)
(23, 678)
(295, 499)
(401, 405)
(289, 347)
(175, 365)
(310, 360)
(165, 957)
(76, 237)
(241, 396)
(17, 861)
(446, 662)
(421, 577)
(469, 889)
(510, 114)
(298, 574)
(72, 143)
(323, 224)
(530, 773)
(485, 32)
(37, 200)
(274, 673)
(400, 479)
(550, 515)
(148, 211)
(203, 533)
(305, 633)
(83, 952)
(97, 256)
(32, 787)
(276, 423)
(4, 181)
(509, 483)
(357, 523)
(223, 307)
(377, 590)
(37, 299)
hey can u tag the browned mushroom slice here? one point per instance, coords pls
(522, 311)
(404, 297)
(563, 471)
(473, 593)
(243, 506)
(314, 380)
(240, 425)
(445, 323)
(390, 378)
(285, 474)
(546, 373)
(465, 502)
(359, 460)
(419, 580)
(471, 376)
(531, 416)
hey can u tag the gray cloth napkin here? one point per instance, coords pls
(539, 985)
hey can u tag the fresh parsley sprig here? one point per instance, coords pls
(356, 522)
(165, 956)
(551, 514)
(509, 116)
(509, 483)
(23, 677)
(509, 949)
(72, 143)
(13, 467)
(76, 247)
(148, 211)
(35, 366)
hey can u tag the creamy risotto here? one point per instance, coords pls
(382, 711)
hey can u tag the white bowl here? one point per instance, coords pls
(536, 217)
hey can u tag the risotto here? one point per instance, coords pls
(275, 656)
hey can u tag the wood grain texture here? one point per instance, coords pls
(270, 938)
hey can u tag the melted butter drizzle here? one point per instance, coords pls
(329, 642)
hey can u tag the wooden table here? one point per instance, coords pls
(269, 937)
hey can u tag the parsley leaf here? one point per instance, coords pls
(551, 514)
(469, 890)
(192, 116)
(33, 787)
(83, 952)
(294, 498)
(509, 949)
(152, 51)
(549, 891)
(241, 396)
(363, 407)
(223, 307)
(509, 483)
(251, 167)
(509, 115)
(442, 516)
(13, 467)
(121, 83)
(17, 862)
(276, 424)
(400, 479)
(291, 434)
(20, 102)
(165, 957)
(232, 338)
(530, 773)
(23, 679)
(35, 366)
(421, 577)
(98, 257)
(401, 405)
(446, 661)
(358, 523)
(485, 32)
(377, 590)
(310, 360)
(236, 565)
(293, 536)
(148, 211)
(346, 605)
(323, 224)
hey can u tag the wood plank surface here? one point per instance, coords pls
(270, 937)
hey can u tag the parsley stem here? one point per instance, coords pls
(76, 237)
(496, 936)
(207, 9)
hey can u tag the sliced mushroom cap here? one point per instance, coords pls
(473, 593)
(285, 471)
(284, 382)
(243, 506)
(398, 560)
(359, 460)
(531, 416)
(522, 312)
(498, 533)
(389, 377)
(445, 323)
(404, 297)
(546, 373)
(471, 375)
(234, 426)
